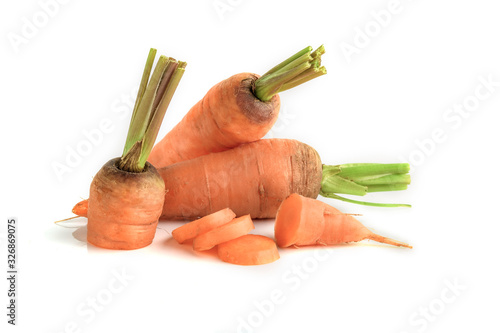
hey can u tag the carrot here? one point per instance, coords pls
(126, 195)
(256, 177)
(81, 208)
(237, 227)
(306, 221)
(248, 250)
(124, 207)
(239, 109)
(192, 229)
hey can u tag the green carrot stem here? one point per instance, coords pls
(153, 98)
(154, 127)
(386, 187)
(305, 76)
(299, 68)
(362, 178)
(370, 169)
(139, 123)
(140, 93)
(381, 180)
(299, 54)
(364, 203)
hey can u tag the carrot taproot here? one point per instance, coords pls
(192, 229)
(256, 177)
(124, 207)
(237, 227)
(248, 250)
(81, 208)
(239, 109)
(126, 195)
(305, 221)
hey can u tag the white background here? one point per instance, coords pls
(381, 104)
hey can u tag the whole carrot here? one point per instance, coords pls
(256, 177)
(305, 221)
(126, 195)
(237, 110)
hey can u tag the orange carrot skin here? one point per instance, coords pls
(226, 117)
(248, 250)
(124, 207)
(341, 228)
(192, 229)
(236, 228)
(81, 208)
(253, 178)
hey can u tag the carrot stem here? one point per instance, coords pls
(152, 101)
(303, 66)
(154, 126)
(364, 203)
(362, 178)
(142, 86)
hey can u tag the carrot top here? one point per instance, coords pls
(152, 101)
(299, 68)
(362, 178)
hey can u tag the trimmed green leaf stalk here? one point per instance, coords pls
(152, 101)
(303, 66)
(362, 178)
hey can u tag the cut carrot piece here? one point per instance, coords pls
(192, 229)
(249, 250)
(237, 227)
(306, 221)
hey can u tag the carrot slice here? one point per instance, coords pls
(249, 250)
(192, 229)
(237, 227)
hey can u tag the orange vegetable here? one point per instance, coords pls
(81, 208)
(253, 178)
(237, 227)
(192, 229)
(306, 221)
(226, 117)
(124, 207)
(126, 195)
(256, 177)
(239, 109)
(248, 250)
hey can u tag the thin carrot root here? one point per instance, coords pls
(237, 227)
(249, 250)
(66, 219)
(385, 240)
(192, 229)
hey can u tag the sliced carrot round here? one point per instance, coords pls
(249, 250)
(237, 227)
(192, 229)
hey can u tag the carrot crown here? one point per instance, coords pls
(152, 102)
(363, 178)
(299, 68)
